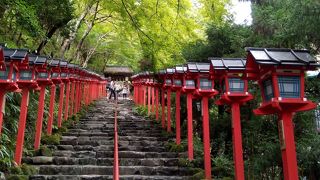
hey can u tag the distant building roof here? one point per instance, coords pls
(118, 70)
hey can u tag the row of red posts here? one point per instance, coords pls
(21, 72)
(279, 74)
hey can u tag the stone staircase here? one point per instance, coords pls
(86, 151)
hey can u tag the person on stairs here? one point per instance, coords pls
(112, 90)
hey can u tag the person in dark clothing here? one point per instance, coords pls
(112, 90)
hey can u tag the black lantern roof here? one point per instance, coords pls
(15, 54)
(73, 66)
(181, 69)
(198, 67)
(280, 56)
(54, 62)
(203, 67)
(63, 63)
(170, 70)
(192, 67)
(228, 63)
(37, 60)
(162, 72)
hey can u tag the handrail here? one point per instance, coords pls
(116, 155)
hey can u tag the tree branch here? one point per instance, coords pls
(135, 23)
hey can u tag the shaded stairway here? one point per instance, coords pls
(86, 151)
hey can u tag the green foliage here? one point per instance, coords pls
(172, 146)
(225, 40)
(222, 167)
(53, 139)
(199, 175)
(288, 23)
(24, 169)
(18, 177)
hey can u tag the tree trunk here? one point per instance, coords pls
(72, 34)
(91, 51)
(86, 33)
(48, 36)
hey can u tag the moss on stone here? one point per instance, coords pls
(53, 139)
(17, 177)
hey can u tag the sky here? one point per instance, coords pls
(241, 12)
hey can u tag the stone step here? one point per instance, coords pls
(111, 134)
(105, 177)
(45, 160)
(145, 131)
(108, 170)
(109, 154)
(121, 138)
(109, 148)
(110, 142)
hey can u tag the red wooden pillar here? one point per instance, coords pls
(76, 96)
(138, 94)
(237, 142)
(144, 96)
(135, 94)
(152, 100)
(22, 125)
(81, 89)
(190, 128)
(149, 99)
(86, 98)
(51, 108)
(206, 137)
(2, 105)
(60, 104)
(288, 147)
(157, 104)
(141, 95)
(66, 110)
(72, 98)
(163, 109)
(169, 110)
(178, 136)
(39, 117)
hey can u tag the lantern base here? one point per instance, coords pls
(44, 82)
(205, 93)
(9, 86)
(287, 105)
(28, 84)
(234, 98)
(176, 88)
(56, 81)
(188, 90)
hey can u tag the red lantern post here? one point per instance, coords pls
(73, 80)
(177, 86)
(8, 72)
(156, 86)
(26, 80)
(167, 86)
(189, 87)
(163, 118)
(205, 90)
(55, 78)
(148, 89)
(64, 76)
(280, 74)
(43, 80)
(234, 92)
